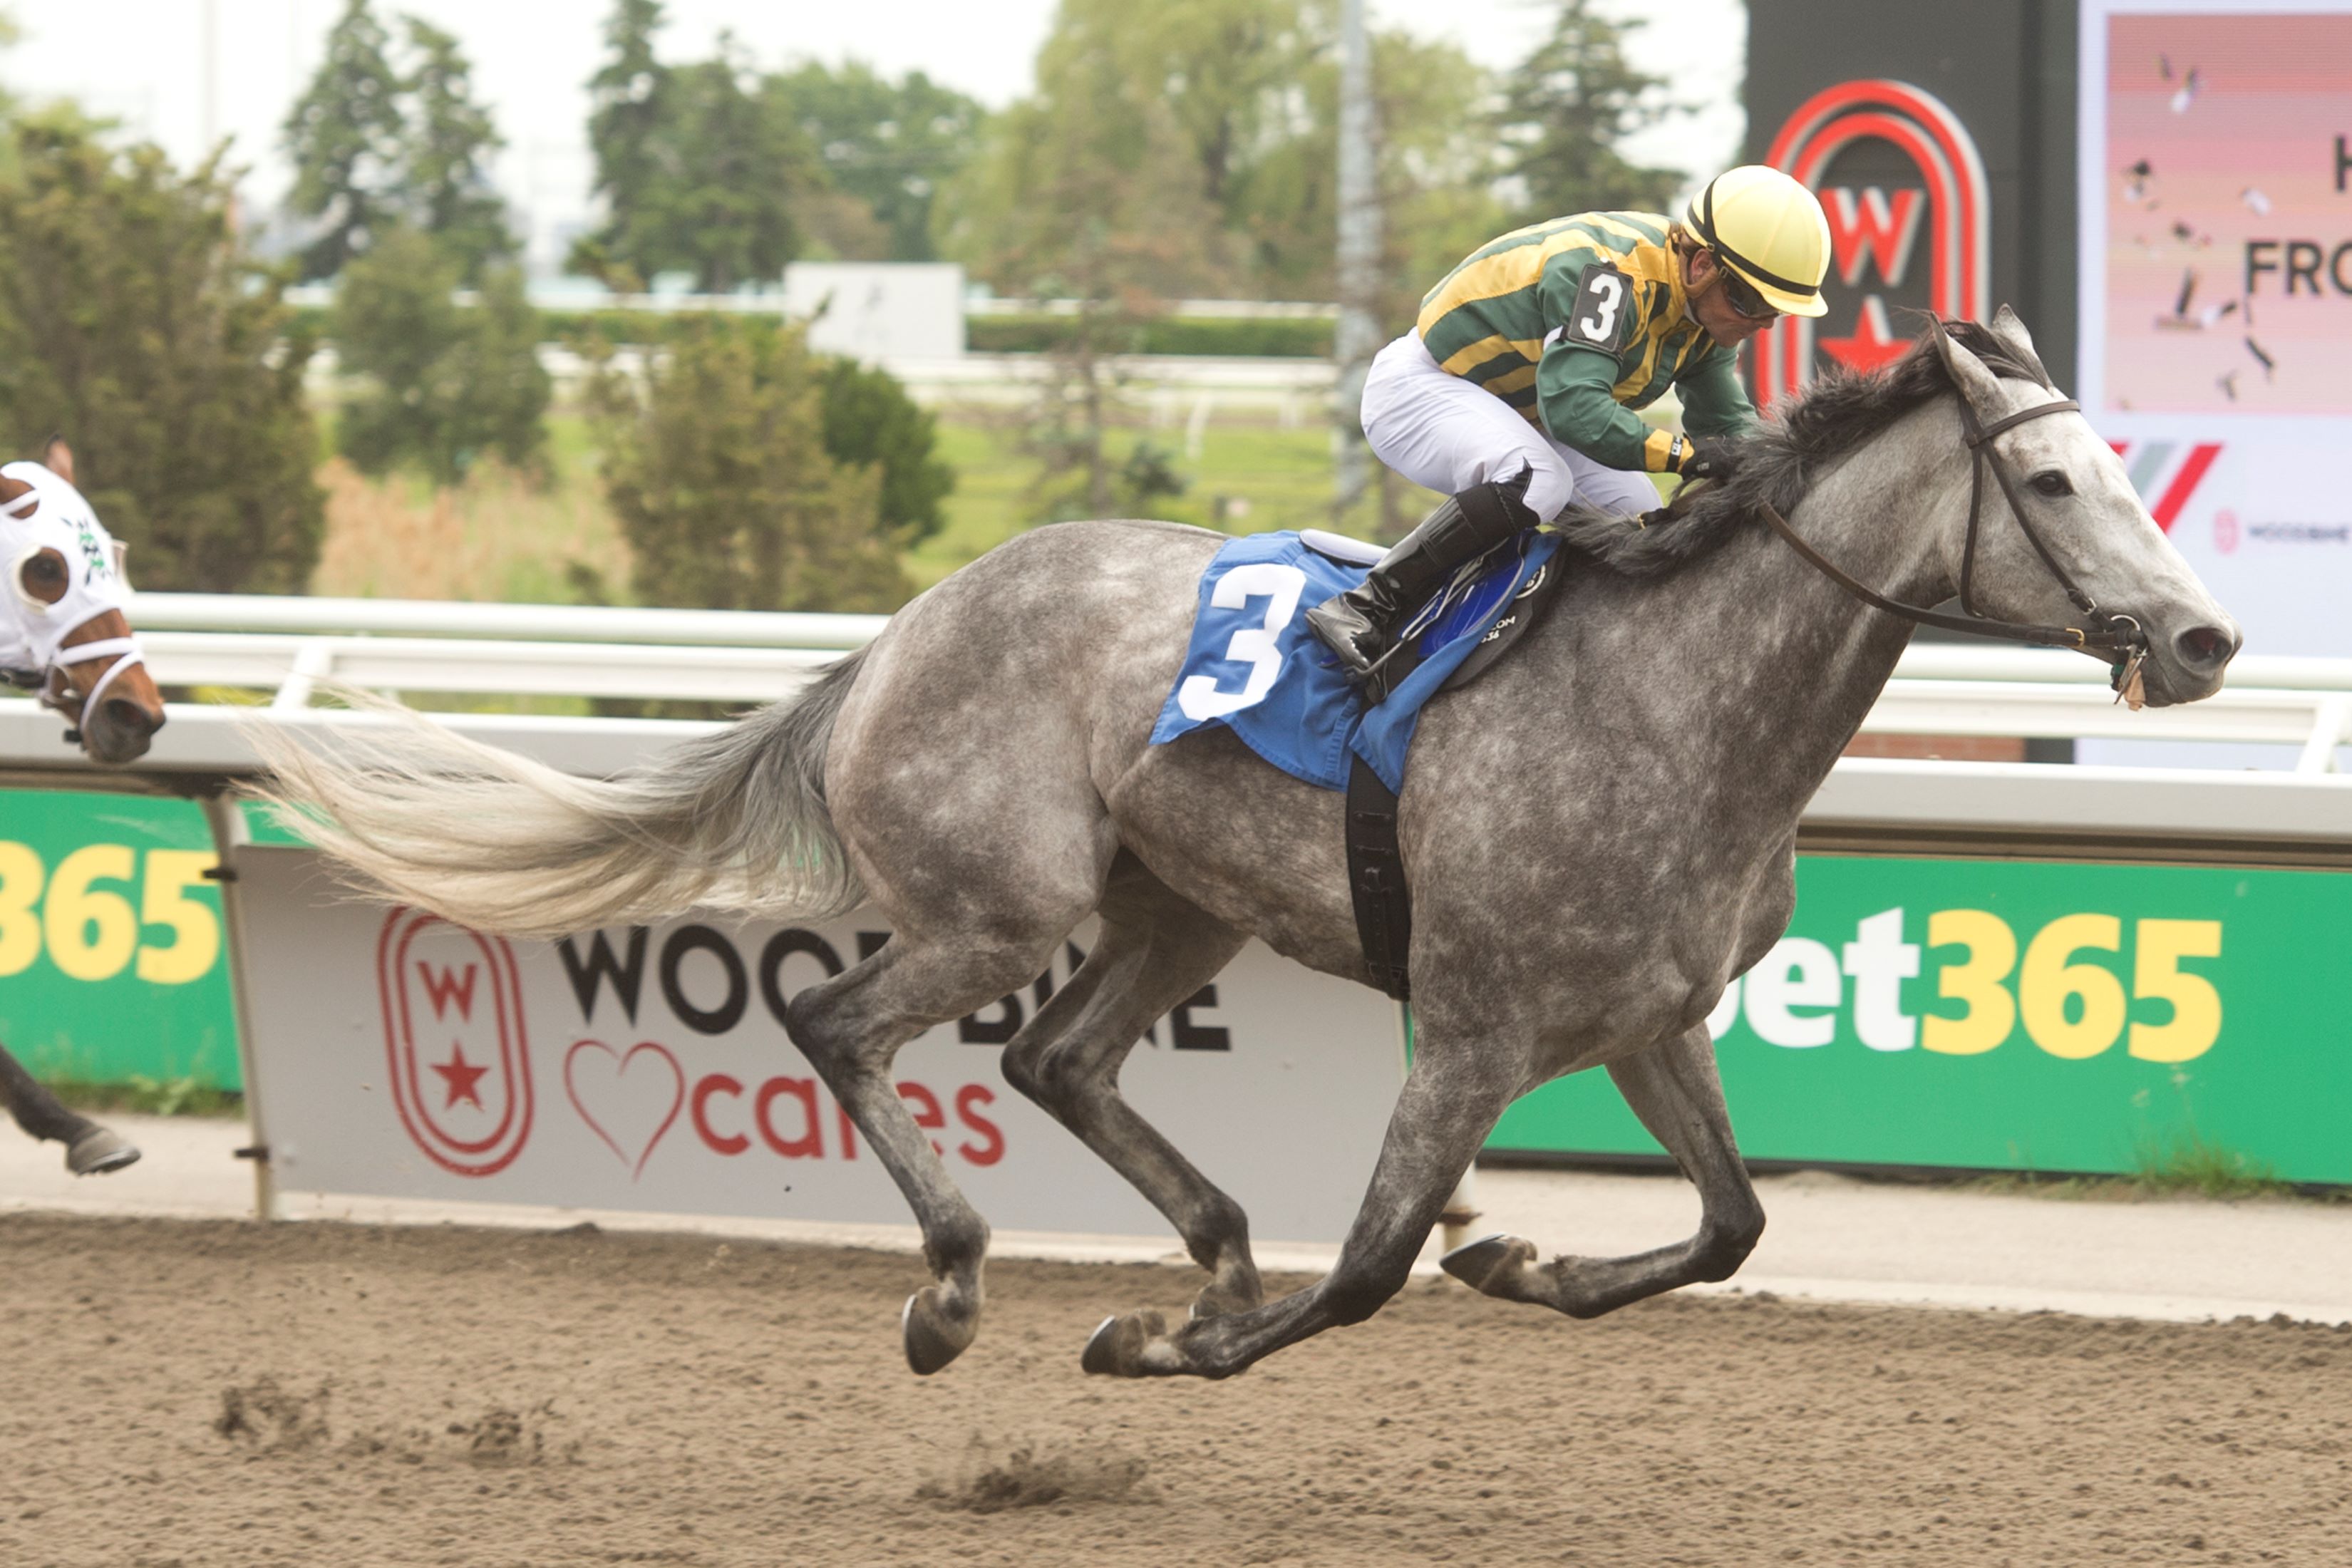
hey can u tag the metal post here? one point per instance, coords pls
(229, 834)
(1358, 335)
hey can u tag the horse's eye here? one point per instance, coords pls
(44, 576)
(2051, 482)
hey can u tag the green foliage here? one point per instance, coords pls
(442, 385)
(450, 140)
(883, 146)
(698, 175)
(1272, 337)
(131, 322)
(344, 137)
(145, 1096)
(870, 421)
(2186, 1161)
(627, 100)
(715, 465)
(374, 147)
(1568, 107)
(1191, 152)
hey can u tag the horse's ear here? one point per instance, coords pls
(2010, 330)
(1968, 373)
(57, 457)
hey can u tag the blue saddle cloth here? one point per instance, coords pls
(1254, 667)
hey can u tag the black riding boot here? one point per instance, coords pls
(1360, 625)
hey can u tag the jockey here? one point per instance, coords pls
(1516, 390)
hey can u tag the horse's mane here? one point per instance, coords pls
(1779, 462)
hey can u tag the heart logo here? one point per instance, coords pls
(623, 1113)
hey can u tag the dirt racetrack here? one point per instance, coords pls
(203, 1394)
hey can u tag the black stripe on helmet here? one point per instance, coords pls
(1704, 218)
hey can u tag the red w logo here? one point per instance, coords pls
(1870, 225)
(441, 988)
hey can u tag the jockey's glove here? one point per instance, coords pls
(1696, 459)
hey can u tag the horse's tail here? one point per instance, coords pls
(500, 843)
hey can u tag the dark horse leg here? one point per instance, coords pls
(1155, 949)
(1451, 1101)
(1674, 1089)
(90, 1149)
(851, 1028)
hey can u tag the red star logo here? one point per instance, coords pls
(461, 1077)
(1871, 345)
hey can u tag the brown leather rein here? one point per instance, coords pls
(2100, 633)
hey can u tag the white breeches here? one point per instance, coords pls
(1446, 435)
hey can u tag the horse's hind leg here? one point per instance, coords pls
(1674, 1088)
(1155, 949)
(850, 1028)
(90, 1149)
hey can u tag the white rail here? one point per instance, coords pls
(277, 649)
(286, 645)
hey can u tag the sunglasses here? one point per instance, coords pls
(1743, 299)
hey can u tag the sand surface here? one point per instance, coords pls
(202, 1393)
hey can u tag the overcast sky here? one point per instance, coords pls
(142, 62)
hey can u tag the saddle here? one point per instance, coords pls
(1253, 667)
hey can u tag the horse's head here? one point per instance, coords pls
(2071, 493)
(62, 622)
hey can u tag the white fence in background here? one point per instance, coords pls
(280, 649)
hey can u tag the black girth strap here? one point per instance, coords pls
(1376, 880)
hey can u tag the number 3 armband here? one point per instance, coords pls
(1603, 311)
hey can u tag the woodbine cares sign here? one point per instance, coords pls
(395, 1055)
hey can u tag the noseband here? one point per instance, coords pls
(2100, 633)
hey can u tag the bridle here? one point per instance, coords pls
(2102, 632)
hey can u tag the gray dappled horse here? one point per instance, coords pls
(1599, 833)
(63, 631)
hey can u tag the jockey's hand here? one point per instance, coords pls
(1704, 459)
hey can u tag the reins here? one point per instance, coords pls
(2100, 633)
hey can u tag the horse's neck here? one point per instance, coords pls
(1776, 663)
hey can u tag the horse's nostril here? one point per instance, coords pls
(2204, 647)
(129, 717)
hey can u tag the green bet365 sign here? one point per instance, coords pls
(2026, 1017)
(113, 963)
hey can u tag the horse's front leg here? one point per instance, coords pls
(1674, 1088)
(1451, 1101)
(90, 1149)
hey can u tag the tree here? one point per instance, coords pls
(628, 103)
(346, 137)
(375, 147)
(1200, 144)
(131, 322)
(442, 384)
(870, 421)
(698, 173)
(886, 146)
(448, 139)
(1567, 109)
(715, 462)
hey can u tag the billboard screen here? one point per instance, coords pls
(2216, 325)
(2228, 242)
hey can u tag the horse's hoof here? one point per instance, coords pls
(97, 1152)
(1118, 1348)
(932, 1337)
(1490, 1265)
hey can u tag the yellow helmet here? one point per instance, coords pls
(1769, 230)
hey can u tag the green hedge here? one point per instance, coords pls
(1274, 337)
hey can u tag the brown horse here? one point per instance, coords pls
(63, 630)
